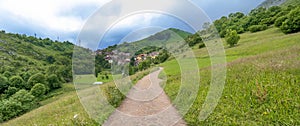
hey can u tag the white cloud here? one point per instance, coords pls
(47, 13)
(143, 19)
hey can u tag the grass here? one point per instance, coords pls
(105, 78)
(63, 105)
(59, 110)
(261, 85)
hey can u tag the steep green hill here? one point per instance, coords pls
(31, 69)
(266, 61)
(21, 53)
(159, 39)
(261, 85)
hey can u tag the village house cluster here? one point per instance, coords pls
(122, 58)
(142, 57)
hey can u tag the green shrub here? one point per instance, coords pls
(7, 74)
(202, 45)
(114, 96)
(232, 37)
(17, 81)
(17, 104)
(25, 98)
(292, 23)
(34, 79)
(11, 90)
(53, 82)
(279, 21)
(38, 90)
(267, 21)
(193, 39)
(256, 28)
(25, 76)
(9, 109)
(3, 84)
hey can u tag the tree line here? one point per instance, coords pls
(31, 68)
(286, 18)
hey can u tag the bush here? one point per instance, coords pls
(25, 98)
(232, 37)
(7, 74)
(202, 45)
(114, 96)
(19, 103)
(3, 84)
(38, 90)
(11, 90)
(53, 82)
(17, 81)
(279, 21)
(292, 23)
(10, 109)
(256, 28)
(34, 79)
(25, 76)
(193, 39)
(267, 21)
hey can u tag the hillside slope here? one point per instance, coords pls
(264, 60)
(31, 69)
(263, 73)
(159, 39)
(21, 53)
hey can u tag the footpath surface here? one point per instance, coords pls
(146, 105)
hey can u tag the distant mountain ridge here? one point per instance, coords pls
(270, 3)
(158, 39)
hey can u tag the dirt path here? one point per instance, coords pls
(146, 105)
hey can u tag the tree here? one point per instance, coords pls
(3, 84)
(38, 90)
(292, 23)
(17, 81)
(193, 39)
(53, 82)
(34, 79)
(232, 37)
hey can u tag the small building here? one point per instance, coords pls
(97, 83)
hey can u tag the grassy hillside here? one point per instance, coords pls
(31, 70)
(264, 92)
(161, 38)
(61, 109)
(261, 85)
(24, 56)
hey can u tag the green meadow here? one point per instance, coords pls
(261, 87)
(262, 82)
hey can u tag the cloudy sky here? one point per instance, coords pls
(64, 19)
